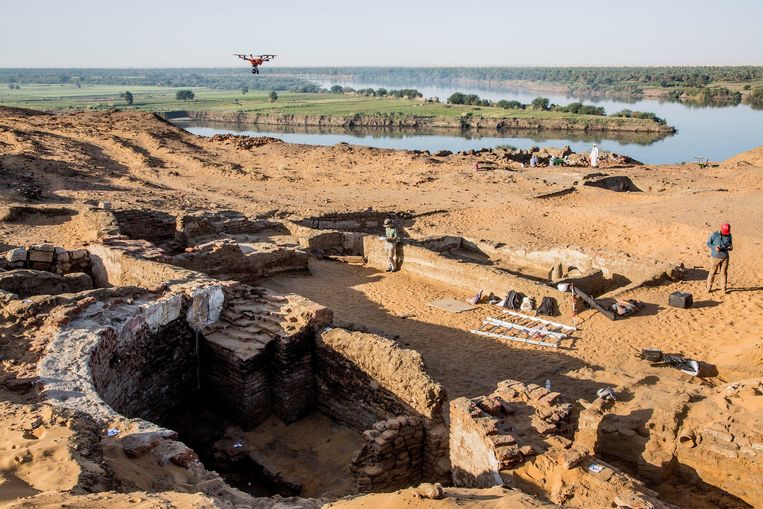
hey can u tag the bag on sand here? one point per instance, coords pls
(548, 307)
(513, 300)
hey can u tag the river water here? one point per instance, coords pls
(713, 132)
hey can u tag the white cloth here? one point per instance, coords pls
(594, 156)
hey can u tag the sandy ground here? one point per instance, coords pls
(136, 160)
(313, 444)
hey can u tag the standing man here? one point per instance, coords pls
(719, 243)
(391, 240)
(594, 156)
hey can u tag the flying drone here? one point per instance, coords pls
(256, 60)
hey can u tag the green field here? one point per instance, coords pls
(162, 99)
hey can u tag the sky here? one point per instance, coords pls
(205, 33)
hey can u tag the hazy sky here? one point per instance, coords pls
(204, 33)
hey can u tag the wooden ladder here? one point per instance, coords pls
(532, 330)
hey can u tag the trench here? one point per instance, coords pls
(342, 234)
(159, 378)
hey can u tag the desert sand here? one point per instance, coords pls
(73, 161)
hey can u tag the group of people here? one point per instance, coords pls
(558, 161)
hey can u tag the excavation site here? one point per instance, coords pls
(242, 322)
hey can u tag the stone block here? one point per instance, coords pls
(16, 255)
(78, 254)
(491, 406)
(549, 399)
(47, 248)
(502, 440)
(36, 255)
(508, 455)
(138, 444)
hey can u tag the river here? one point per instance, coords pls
(713, 132)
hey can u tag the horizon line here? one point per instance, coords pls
(398, 67)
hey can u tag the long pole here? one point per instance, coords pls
(574, 311)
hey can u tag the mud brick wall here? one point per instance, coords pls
(472, 457)
(498, 432)
(225, 259)
(205, 224)
(369, 221)
(165, 361)
(238, 383)
(151, 225)
(293, 376)
(97, 224)
(257, 359)
(362, 379)
(114, 264)
(392, 457)
(327, 241)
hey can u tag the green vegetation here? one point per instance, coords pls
(756, 98)
(583, 109)
(540, 103)
(718, 96)
(647, 115)
(273, 96)
(698, 85)
(592, 78)
(224, 79)
(631, 82)
(469, 99)
(184, 95)
(510, 105)
(543, 104)
(161, 99)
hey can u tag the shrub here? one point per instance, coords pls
(755, 95)
(540, 103)
(645, 115)
(456, 98)
(510, 105)
(184, 95)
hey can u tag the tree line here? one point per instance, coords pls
(225, 79)
(403, 93)
(594, 78)
(544, 104)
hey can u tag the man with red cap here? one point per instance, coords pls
(719, 244)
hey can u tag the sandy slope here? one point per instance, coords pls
(136, 160)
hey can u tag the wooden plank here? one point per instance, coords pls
(452, 305)
(541, 320)
(595, 305)
(533, 330)
(513, 338)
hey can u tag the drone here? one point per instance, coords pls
(255, 60)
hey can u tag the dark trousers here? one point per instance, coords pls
(718, 264)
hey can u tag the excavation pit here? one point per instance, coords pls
(259, 385)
